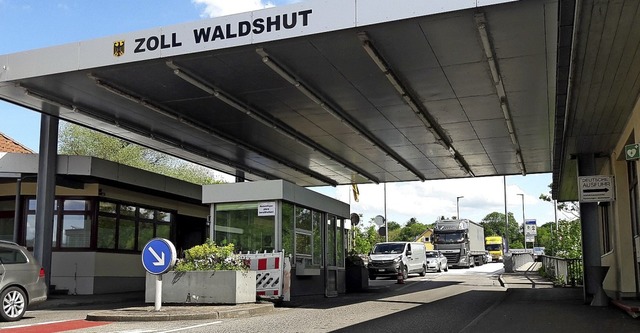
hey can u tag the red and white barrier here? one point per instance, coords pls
(270, 274)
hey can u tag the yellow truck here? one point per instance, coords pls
(494, 245)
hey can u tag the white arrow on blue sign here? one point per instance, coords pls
(158, 256)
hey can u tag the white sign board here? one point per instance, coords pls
(530, 228)
(267, 209)
(596, 188)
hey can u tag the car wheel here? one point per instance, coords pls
(405, 273)
(439, 268)
(446, 267)
(14, 304)
(424, 270)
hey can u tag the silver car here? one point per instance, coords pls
(22, 281)
(436, 261)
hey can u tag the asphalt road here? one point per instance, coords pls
(438, 302)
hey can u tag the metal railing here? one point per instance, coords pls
(567, 271)
(513, 261)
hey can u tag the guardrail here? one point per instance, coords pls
(567, 271)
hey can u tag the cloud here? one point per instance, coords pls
(428, 200)
(214, 8)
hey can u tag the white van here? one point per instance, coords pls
(387, 259)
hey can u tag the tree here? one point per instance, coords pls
(365, 239)
(494, 225)
(569, 239)
(78, 140)
(566, 242)
(393, 226)
(570, 209)
(411, 230)
(412, 221)
(545, 236)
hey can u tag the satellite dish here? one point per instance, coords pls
(378, 220)
(355, 219)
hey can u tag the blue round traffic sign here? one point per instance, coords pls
(158, 256)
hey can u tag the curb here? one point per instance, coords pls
(502, 283)
(169, 313)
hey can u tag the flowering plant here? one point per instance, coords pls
(211, 257)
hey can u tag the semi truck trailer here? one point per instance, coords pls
(461, 241)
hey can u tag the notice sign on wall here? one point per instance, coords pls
(267, 209)
(596, 188)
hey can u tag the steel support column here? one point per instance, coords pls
(590, 233)
(17, 215)
(46, 186)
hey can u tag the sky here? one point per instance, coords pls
(31, 24)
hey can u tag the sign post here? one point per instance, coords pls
(530, 231)
(158, 257)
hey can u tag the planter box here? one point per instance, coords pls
(357, 278)
(204, 287)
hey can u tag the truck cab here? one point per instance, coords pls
(495, 246)
(461, 241)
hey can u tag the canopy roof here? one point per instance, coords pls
(341, 92)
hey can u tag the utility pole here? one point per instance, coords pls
(523, 226)
(458, 206)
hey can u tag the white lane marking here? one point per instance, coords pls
(191, 327)
(38, 324)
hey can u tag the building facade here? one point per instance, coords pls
(104, 214)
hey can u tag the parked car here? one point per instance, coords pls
(487, 257)
(436, 261)
(22, 281)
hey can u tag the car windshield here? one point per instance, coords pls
(431, 254)
(493, 247)
(388, 248)
(452, 237)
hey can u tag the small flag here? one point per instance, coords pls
(356, 192)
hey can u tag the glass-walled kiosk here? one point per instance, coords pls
(312, 229)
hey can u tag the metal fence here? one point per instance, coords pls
(562, 270)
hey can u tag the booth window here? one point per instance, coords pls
(340, 229)
(7, 219)
(240, 224)
(606, 235)
(317, 238)
(331, 240)
(128, 227)
(303, 232)
(76, 223)
(30, 232)
(287, 228)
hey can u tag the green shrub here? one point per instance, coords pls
(211, 257)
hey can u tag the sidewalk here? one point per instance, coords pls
(532, 304)
(131, 307)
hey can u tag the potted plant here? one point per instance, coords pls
(357, 276)
(208, 274)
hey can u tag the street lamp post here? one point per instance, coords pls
(523, 223)
(458, 206)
